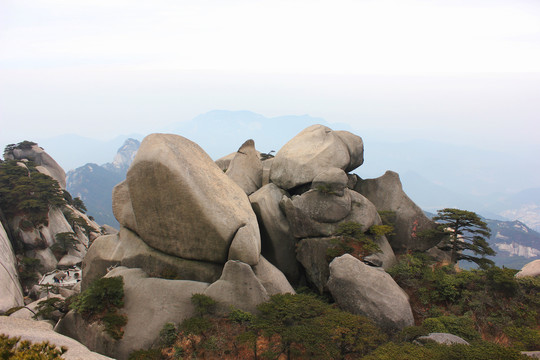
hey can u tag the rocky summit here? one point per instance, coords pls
(239, 230)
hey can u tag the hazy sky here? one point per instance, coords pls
(460, 71)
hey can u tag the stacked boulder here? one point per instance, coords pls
(186, 225)
(244, 228)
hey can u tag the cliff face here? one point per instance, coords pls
(46, 227)
(93, 183)
(11, 295)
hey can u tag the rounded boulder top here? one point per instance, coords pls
(314, 150)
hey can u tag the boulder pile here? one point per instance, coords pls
(246, 227)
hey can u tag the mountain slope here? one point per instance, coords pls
(94, 183)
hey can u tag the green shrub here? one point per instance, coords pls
(195, 325)
(151, 354)
(523, 338)
(433, 351)
(239, 316)
(102, 294)
(13, 348)
(204, 305)
(113, 324)
(101, 302)
(350, 239)
(168, 335)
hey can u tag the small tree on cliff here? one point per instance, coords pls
(466, 233)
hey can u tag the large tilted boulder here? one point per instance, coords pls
(530, 269)
(11, 295)
(371, 292)
(246, 168)
(386, 193)
(44, 162)
(239, 287)
(314, 150)
(40, 331)
(278, 245)
(184, 205)
(127, 249)
(149, 303)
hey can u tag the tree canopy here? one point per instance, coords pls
(466, 232)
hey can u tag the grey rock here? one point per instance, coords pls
(532, 354)
(39, 331)
(311, 253)
(44, 163)
(442, 338)
(306, 213)
(386, 193)
(122, 207)
(239, 287)
(11, 295)
(127, 249)
(371, 292)
(246, 168)
(271, 278)
(224, 162)
(314, 150)
(332, 181)
(149, 303)
(530, 269)
(193, 209)
(278, 245)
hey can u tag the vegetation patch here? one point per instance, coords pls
(14, 348)
(351, 239)
(101, 302)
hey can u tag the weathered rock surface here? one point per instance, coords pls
(40, 331)
(271, 278)
(238, 286)
(333, 181)
(127, 249)
(31, 309)
(193, 209)
(442, 338)
(386, 193)
(310, 214)
(314, 150)
(122, 207)
(11, 295)
(44, 162)
(246, 168)
(149, 303)
(311, 253)
(369, 291)
(530, 269)
(278, 245)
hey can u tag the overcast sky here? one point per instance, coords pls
(459, 71)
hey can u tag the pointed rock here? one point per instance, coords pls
(246, 168)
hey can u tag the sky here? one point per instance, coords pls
(465, 72)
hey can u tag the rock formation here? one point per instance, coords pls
(530, 269)
(386, 193)
(314, 150)
(246, 168)
(12, 295)
(368, 291)
(40, 331)
(239, 230)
